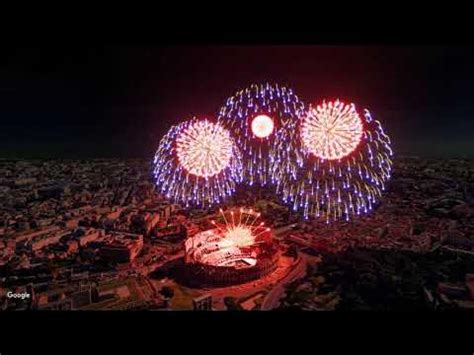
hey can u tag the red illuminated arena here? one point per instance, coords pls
(239, 249)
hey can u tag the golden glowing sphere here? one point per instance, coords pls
(262, 126)
(332, 130)
(204, 148)
(238, 236)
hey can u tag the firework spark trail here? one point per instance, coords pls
(340, 165)
(255, 116)
(197, 163)
(331, 131)
(240, 235)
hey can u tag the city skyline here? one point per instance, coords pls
(313, 178)
(89, 235)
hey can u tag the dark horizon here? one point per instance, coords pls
(117, 101)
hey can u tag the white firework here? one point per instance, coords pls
(331, 131)
(204, 149)
(197, 163)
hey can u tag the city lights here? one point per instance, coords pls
(137, 179)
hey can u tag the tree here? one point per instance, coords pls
(231, 304)
(292, 251)
(167, 292)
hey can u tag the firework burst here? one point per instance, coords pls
(255, 116)
(340, 166)
(197, 163)
(204, 149)
(331, 131)
(240, 229)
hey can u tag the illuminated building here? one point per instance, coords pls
(121, 248)
(239, 249)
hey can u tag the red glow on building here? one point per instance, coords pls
(238, 249)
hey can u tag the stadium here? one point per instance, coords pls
(236, 251)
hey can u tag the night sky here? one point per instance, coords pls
(117, 100)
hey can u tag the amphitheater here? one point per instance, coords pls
(209, 260)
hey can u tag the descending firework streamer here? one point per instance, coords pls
(255, 115)
(197, 163)
(341, 165)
